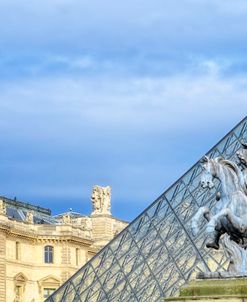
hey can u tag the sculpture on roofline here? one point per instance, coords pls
(227, 221)
(101, 200)
(66, 218)
(2, 207)
(29, 217)
(87, 226)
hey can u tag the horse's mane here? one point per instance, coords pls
(227, 163)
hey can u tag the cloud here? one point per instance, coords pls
(72, 133)
(112, 27)
(128, 94)
(106, 100)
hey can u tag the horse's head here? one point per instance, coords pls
(208, 173)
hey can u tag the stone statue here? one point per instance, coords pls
(67, 218)
(88, 226)
(29, 217)
(242, 155)
(228, 219)
(101, 200)
(2, 207)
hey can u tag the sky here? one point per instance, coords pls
(122, 93)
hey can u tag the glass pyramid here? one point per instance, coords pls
(152, 257)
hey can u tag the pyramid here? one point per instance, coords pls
(156, 253)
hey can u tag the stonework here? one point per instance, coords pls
(36, 258)
(29, 217)
(2, 207)
(101, 199)
(223, 290)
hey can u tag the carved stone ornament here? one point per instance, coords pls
(2, 207)
(67, 218)
(29, 217)
(227, 221)
(88, 224)
(101, 200)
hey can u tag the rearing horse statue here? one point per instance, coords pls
(230, 213)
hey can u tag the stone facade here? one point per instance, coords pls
(213, 290)
(37, 257)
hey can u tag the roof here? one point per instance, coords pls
(17, 210)
(71, 213)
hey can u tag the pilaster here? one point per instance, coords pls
(2, 267)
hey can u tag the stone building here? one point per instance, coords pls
(38, 251)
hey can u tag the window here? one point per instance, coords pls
(17, 250)
(18, 293)
(20, 281)
(48, 254)
(77, 255)
(47, 292)
(47, 286)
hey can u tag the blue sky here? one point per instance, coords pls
(122, 93)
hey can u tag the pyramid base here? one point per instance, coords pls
(212, 290)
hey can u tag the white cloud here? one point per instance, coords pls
(152, 103)
(114, 26)
(101, 91)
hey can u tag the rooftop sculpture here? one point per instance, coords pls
(101, 200)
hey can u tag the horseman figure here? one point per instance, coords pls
(229, 216)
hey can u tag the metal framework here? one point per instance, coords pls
(156, 253)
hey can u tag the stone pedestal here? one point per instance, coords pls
(213, 290)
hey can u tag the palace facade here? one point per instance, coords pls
(39, 252)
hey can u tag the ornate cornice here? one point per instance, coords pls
(63, 239)
(29, 232)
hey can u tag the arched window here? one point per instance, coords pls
(48, 254)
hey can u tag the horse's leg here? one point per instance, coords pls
(212, 223)
(213, 240)
(215, 229)
(202, 212)
(235, 221)
(216, 218)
